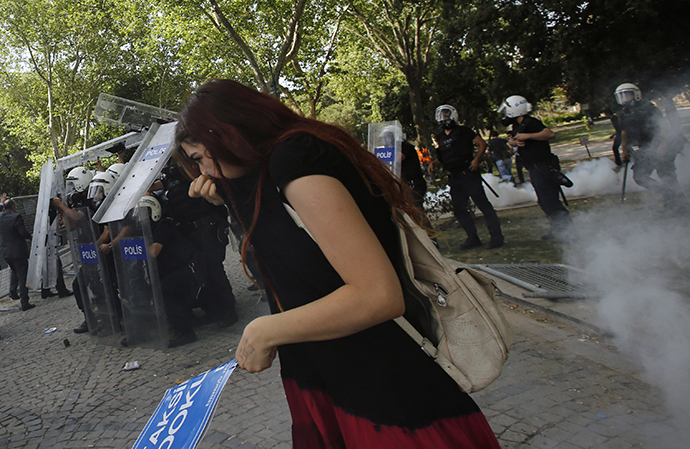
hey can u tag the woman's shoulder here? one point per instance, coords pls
(303, 154)
(299, 143)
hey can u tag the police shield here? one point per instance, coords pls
(385, 141)
(42, 245)
(143, 313)
(94, 270)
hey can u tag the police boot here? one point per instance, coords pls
(26, 305)
(471, 242)
(82, 328)
(496, 242)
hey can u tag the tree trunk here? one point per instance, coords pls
(416, 105)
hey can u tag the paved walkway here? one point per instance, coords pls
(563, 386)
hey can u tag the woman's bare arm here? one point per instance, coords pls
(371, 295)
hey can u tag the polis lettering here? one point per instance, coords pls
(133, 250)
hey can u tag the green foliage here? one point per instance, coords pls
(14, 179)
(347, 117)
(349, 63)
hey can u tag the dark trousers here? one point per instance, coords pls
(77, 292)
(518, 167)
(616, 153)
(216, 296)
(466, 186)
(668, 187)
(179, 288)
(19, 268)
(548, 190)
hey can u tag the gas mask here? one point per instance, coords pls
(76, 199)
(447, 123)
(507, 121)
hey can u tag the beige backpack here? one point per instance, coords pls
(451, 312)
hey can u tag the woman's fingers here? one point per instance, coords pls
(205, 187)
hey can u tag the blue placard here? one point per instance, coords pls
(386, 154)
(88, 254)
(133, 249)
(181, 418)
(154, 152)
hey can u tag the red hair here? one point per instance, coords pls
(240, 126)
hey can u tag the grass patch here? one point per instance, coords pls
(522, 228)
(572, 134)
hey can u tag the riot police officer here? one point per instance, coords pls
(644, 126)
(456, 153)
(207, 226)
(532, 137)
(76, 185)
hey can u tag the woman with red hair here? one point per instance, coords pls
(352, 377)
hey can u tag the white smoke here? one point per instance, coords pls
(590, 178)
(640, 264)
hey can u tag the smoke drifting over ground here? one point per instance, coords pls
(591, 177)
(641, 262)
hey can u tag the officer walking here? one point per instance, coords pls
(644, 126)
(532, 137)
(456, 153)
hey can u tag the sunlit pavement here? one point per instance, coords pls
(563, 386)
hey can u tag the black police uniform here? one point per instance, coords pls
(539, 161)
(180, 279)
(642, 124)
(615, 122)
(456, 152)
(207, 226)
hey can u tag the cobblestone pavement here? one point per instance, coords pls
(562, 387)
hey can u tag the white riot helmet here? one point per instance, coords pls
(388, 135)
(627, 93)
(153, 205)
(100, 186)
(515, 106)
(78, 179)
(446, 112)
(116, 169)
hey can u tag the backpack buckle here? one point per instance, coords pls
(429, 348)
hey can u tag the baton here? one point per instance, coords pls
(625, 178)
(565, 200)
(487, 184)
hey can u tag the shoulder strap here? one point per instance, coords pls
(293, 214)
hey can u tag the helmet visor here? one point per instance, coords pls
(96, 193)
(69, 186)
(625, 96)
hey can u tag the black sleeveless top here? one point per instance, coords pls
(379, 374)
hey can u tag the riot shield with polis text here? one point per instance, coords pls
(143, 312)
(385, 141)
(91, 265)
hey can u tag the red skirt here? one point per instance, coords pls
(318, 424)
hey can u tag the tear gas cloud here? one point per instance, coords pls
(640, 264)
